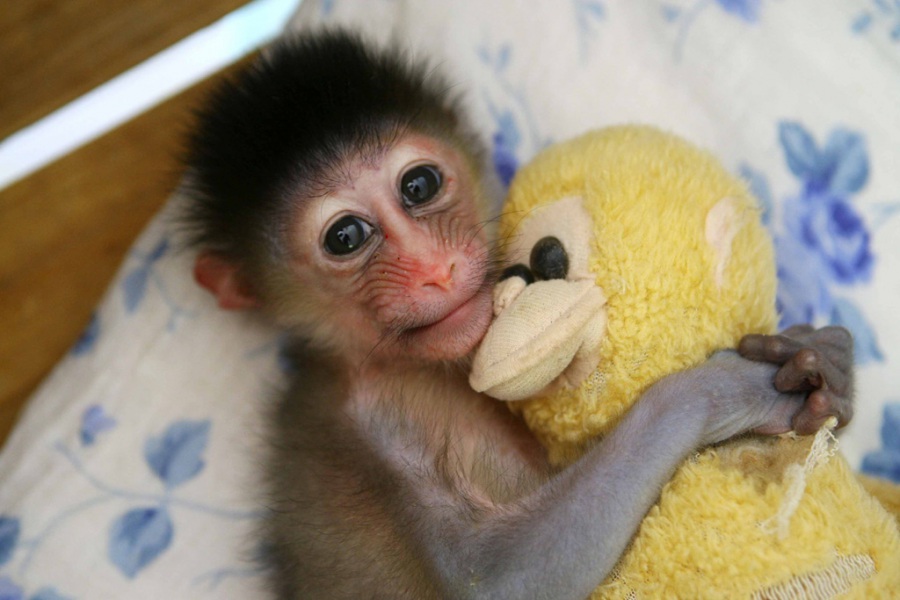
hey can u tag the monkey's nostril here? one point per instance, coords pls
(549, 259)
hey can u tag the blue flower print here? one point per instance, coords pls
(886, 462)
(748, 10)
(9, 590)
(834, 233)
(822, 242)
(821, 215)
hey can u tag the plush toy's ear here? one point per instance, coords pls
(223, 279)
(723, 221)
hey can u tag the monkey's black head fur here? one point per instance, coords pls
(278, 129)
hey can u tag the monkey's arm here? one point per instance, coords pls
(562, 540)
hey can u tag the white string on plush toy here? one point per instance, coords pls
(823, 448)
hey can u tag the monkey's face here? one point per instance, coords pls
(393, 259)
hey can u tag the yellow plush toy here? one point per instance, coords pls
(665, 262)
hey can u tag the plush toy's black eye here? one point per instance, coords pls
(549, 259)
(420, 184)
(347, 235)
(518, 270)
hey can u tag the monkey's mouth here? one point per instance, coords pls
(462, 325)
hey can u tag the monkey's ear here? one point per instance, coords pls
(222, 278)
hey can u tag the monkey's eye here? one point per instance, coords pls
(420, 184)
(347, 235)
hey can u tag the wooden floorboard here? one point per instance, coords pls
(65, 229)
(53, 51)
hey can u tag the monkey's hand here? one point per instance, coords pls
(817, 361)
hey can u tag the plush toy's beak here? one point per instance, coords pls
(548, 337)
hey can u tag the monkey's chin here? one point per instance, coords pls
(456, 334)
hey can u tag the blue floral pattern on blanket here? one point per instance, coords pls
(10, 591)
(89, 337)
(685, 17)
(144, 275)
(588, 15)
(886, 461)
(516, 135)
(823, 244)
(94, 421)
(883, 15)
(146, 529)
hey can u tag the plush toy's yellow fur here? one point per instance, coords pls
(764, 518)
(649, 195)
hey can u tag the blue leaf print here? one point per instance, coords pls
(503, 58)
(862, 23)
(587, 13)
(505, 162)
(93, 422)
(49, 594)
(890, 429)
(506, 141)
(176, 455)
(865, 342)
(88, 337)
(884, 12)
(802, 293)
(9, 590)
(135, 286)
(886, 462)
(800, 150)
(847, 162)
(508, 130)
(138, 537)
(747, 10)
(759, 187)
(9, 537)
(159, 251)
(595, 8)
(671, 13)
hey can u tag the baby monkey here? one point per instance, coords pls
(337, 189)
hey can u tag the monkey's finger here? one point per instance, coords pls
(798, 331)
(776, 349)
(836, 343)
(810, 369)
(818, 408)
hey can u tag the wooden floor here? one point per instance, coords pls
(65, 229)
